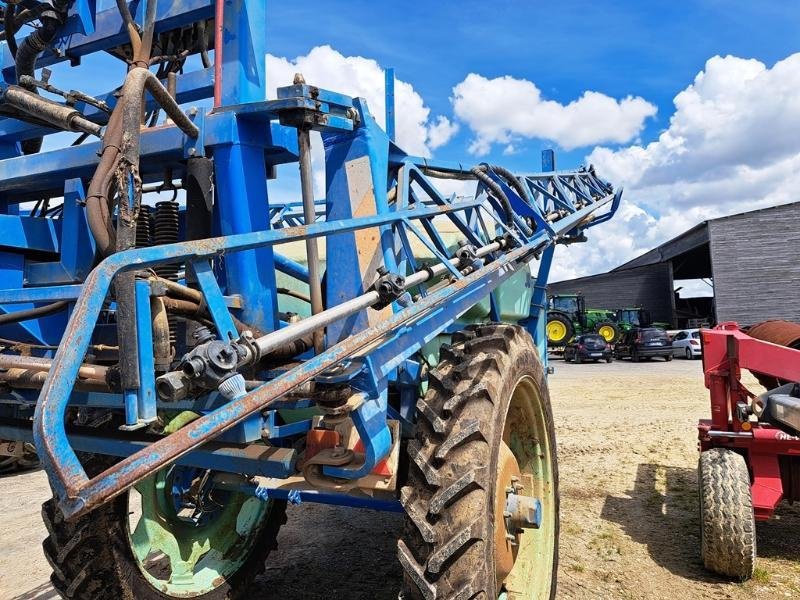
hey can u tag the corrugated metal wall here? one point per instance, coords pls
(649, 287)
(756, 262)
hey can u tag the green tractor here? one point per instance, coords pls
(628, 318)
(567, 316)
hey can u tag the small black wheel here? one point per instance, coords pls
(26, 461)
(668, 357)
(578, 359)
(689, 354)
(485, 438)
(634, 356)
(610, 359)
(728, 528)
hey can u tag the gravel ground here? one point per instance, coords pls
(627, 447)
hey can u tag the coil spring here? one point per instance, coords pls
(144, 227)
(165, 231)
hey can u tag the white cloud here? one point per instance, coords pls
(731, 146)
(504, 109)
(417, 132)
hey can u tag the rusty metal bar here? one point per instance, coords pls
(34, 363)
(309, 215)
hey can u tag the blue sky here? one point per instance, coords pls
(648, 49)
(691, 106)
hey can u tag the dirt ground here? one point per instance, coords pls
(627, 448)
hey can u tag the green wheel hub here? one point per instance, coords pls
(526, 435)
(188, 538)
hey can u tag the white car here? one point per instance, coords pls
(686, 343)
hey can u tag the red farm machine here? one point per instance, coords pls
(750, 447)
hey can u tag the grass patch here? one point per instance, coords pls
(761, 575)
(577, 568)
(572, 528)
(607, 545)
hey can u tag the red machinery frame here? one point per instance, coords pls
(726, 351)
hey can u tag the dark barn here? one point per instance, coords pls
(750, 260)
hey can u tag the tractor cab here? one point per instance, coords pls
(573, 305)
(628, 318)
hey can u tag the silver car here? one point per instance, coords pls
(686, 343)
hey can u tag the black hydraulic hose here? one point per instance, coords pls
(33, 313)
(10, 28)
(512, 181)
(29, 51)
(480, 174)
(35, 44)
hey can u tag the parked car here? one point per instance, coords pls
(591, 346)
(644, 342)
(686, 343)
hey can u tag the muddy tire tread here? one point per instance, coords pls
(445, 548)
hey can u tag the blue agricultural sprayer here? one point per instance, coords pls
(151, 346)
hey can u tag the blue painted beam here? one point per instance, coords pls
(109, 32)
(25, 177)
(32, 233)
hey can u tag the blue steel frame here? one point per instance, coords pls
(245, 138)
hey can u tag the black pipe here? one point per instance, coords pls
(33, 313)
(10, 28)
(512, 181)
(480, 174)
(30, 49)
(199, 185)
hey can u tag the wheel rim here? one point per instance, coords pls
(556, 331)
(526, 437)
(607, 332)
(187, 552)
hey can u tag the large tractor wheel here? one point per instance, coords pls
(560, 329)
(23, 462)
(608, 330)
(485, 446)
(170, 537)
(728, 527)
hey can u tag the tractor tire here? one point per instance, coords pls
(92, 556)
(560, 329)
(14, 464)
(608, 330)
(487, 406)
(728, 527)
